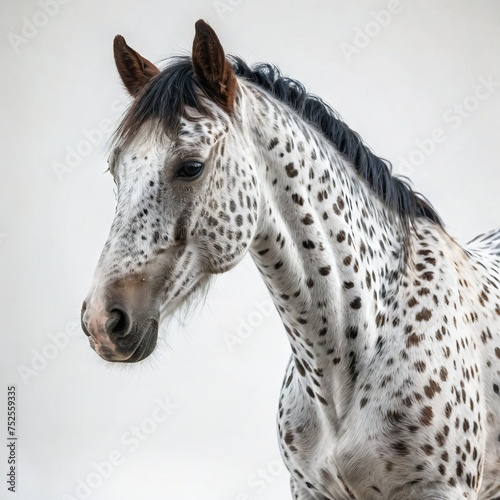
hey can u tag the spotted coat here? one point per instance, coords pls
(393, 386)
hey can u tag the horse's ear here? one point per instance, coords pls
(213, 71)
(135, 70)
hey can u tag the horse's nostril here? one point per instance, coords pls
(118, 322)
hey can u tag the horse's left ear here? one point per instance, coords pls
(135, 70)
(213, 71)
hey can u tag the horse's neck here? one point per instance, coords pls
(325, 246)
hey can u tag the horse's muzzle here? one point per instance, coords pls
(120, 335)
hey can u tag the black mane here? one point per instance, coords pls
(175, 88)
(165, 97)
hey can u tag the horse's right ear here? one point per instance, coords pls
(135, 71)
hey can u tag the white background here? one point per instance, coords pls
(59, 84)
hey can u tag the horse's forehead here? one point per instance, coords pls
(150, 136)
(191, 130)
(199, 128)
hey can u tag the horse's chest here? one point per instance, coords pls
(318, 453)
(312, 453)
(385, 452)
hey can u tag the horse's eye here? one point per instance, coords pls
(190, 169)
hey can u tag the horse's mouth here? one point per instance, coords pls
(141, 350)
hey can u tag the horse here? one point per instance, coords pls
(393, 386)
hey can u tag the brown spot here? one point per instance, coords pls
(362, 248)
(394, 417)
(322, 400)
(351, 332)
(420, 366)
(423, 315)
(412, 302)
(440, 439)
(447, 410)
(356, 303)
(273, 143)
(322, 195)
(426, 415)
(299, 366)
(325, 271)
(408, 402)
(428, 276)
(400, 448)
(291, 170)
(308, 219)
(428, 449)
(380, 319)
(413, 340)
(431, 389)
(443, 374)
(466, 425)
(368, 280)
